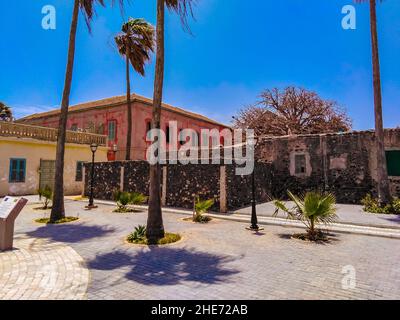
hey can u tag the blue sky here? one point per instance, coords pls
(238, 49)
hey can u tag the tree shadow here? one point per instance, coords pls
(71, 233)
(330, 238)
(168, 266)
(395, 219)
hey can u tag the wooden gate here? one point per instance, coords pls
(47, 173)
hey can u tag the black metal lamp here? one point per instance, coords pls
(254, 221)
(93, 148)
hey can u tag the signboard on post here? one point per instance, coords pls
(10, 207)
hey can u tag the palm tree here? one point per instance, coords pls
(5, 112)
(312, 209)
(87, 8)
(155, 227)
(382, 175)
(135, 43)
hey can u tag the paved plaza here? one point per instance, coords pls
(89, 259)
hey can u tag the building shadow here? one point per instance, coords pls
(71, 233)
(167, 266)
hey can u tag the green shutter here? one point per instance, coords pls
(17, 170)
(111, 130)
(393, 163)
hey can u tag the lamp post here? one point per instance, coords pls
(93, 148)
(254, 222)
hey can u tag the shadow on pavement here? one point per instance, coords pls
(167, 266)
(70, 233)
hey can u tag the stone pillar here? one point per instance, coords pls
(164, 186)
(222, 190)
(83, 180)
(121, 179)
(322, 141)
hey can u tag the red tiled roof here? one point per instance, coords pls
(118, 100)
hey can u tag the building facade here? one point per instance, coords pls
(28, 154)
(109, 117)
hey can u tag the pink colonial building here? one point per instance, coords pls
(109, 117)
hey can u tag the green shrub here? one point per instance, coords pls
(200, 207)
(137, 198)
(396, 205)
(123, 199)
(372, 205)
(139, 237)
(46, 195)
(311, 209)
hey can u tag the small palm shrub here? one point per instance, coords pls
(201, 207)
(46, 195)
(311, 209)
(122, 198)
(137, 198)
(139, 235)
(372, 205)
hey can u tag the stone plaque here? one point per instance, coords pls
(10, 208)
(6, 206)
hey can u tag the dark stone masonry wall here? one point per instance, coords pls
(107, 179)
(344, 164)
(239, 187)
(136, 176)
(184, 182)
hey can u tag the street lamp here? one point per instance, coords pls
(254, 222)
(93, 148)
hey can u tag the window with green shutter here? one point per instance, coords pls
(17, 170)
(393, 162)
(112, 129)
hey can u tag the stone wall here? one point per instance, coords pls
(239, 187)
(184, 182)
(344, 164)
(107, 179)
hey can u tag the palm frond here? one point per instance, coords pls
(184, 8)
(87, 8)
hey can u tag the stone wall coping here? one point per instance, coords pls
(338, 134)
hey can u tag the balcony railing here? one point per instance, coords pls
(10, 129)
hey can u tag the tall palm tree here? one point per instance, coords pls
(382, 175)
(135, 42)
(155, 227)
(87, 8)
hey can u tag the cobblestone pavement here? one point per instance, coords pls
(39, 269)
(221, 260)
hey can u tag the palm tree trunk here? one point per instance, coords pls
(128, 99)
(58, 210)
(155, 228)
(382, 176)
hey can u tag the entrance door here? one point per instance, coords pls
(47, 173)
